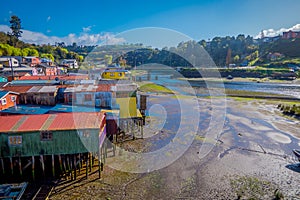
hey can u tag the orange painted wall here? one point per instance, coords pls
(9, 102)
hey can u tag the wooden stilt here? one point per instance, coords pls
(43, 164)
(74, 161)
(53, 165)
(99, 163)
(106, 143)
(71, 167)
(90, 161)
(99, 168)
(79, 163)
(114, 149)
(68, 163)
(11, 166)
(93, 159)
(142, 130)
(69, 171)
(103, 152)
(132, 129)
(2, 166)
(87, 166)
(127, 126)
(64, 163)
(60, 163)
(32, 169)
(20, 167)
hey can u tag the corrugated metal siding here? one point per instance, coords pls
(63, 142)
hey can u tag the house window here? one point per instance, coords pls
(84, 133)
(88, 97)
(3, 102)
(46, 136)
(111, 74)
(15, 140)
(72, 97)
(13, 98)
(120, 74)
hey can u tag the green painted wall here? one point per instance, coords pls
(63, 142)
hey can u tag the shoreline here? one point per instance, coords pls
(260, 80)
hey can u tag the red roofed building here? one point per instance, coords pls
(291, 34)
(44, 142)
(65, 77)
(61, 133)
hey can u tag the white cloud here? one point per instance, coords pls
(48, 18)
(87, 29)
(81, 39)
(273, 33)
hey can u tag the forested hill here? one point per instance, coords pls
(240, 50)
(16, 47)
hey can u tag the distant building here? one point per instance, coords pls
(70, 63)
(275, 56)
(291, 34)
(32, 61)
(45, 69)
(9, 61)
(46, 61)
(7, 99)
(114, 72)
(3, 79)
(271, 39)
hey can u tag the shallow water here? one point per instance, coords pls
(276, 88)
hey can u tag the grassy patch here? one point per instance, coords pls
(151, 87)
(243, 98)
(247, 187)
(249, 93)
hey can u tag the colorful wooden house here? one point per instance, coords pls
(7, 99)
(50, 143)
(89, 95)
(114, 72)
(32, 61)
(42, 95)
(3, 79)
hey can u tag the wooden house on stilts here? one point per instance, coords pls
(37, 146)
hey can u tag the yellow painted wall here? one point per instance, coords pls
(113, 75)
(128, 107)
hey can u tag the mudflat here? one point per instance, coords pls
(250, 158)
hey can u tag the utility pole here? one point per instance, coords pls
(12, 70)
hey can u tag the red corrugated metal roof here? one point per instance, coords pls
(104, 87)
(59, 121)
(18, 89)
(76, 121)
(79, 77)
(33, 122)
(7, 122)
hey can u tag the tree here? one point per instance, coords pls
(47, 55)
(228, 57)
(236, 59)
(15, 26)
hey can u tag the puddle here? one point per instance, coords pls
(278, 137)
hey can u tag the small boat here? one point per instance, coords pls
(12, 191)
(297, 153)
(229, 77)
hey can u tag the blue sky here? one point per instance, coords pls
(199, 19)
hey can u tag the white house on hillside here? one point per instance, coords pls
(71, 63)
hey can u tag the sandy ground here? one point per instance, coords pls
(251, 158)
